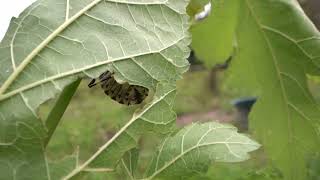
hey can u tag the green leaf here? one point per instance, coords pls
(213, 38)
(195, 147)
(277, 47)
(54, 42)
(59, 169)
(25, 157)
(129, 162)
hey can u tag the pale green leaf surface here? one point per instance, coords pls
(53, 42)
(213, 38)
(24, 158)
(60, 168)
(277, 46)
(195, 147)
(129, 162)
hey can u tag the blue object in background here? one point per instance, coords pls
(243, 106)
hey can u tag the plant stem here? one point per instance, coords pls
(59, 108)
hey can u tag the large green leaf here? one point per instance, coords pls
(213, 38)
(277, 47)
(54, 42)
(25, 157)
(195, 147)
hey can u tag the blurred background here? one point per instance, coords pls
(92, 118)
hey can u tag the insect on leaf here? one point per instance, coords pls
(122, 93)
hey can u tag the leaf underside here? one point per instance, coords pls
(195, 147)
(54, 42)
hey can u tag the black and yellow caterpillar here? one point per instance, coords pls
(122, 93)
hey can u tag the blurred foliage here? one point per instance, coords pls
(196, 6)
(312, 9)
(314, 168)
(213, 38)
(194, 94)
(314, 86)
(244, 171)
(256, 168)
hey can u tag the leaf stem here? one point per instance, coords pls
(59, 108)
